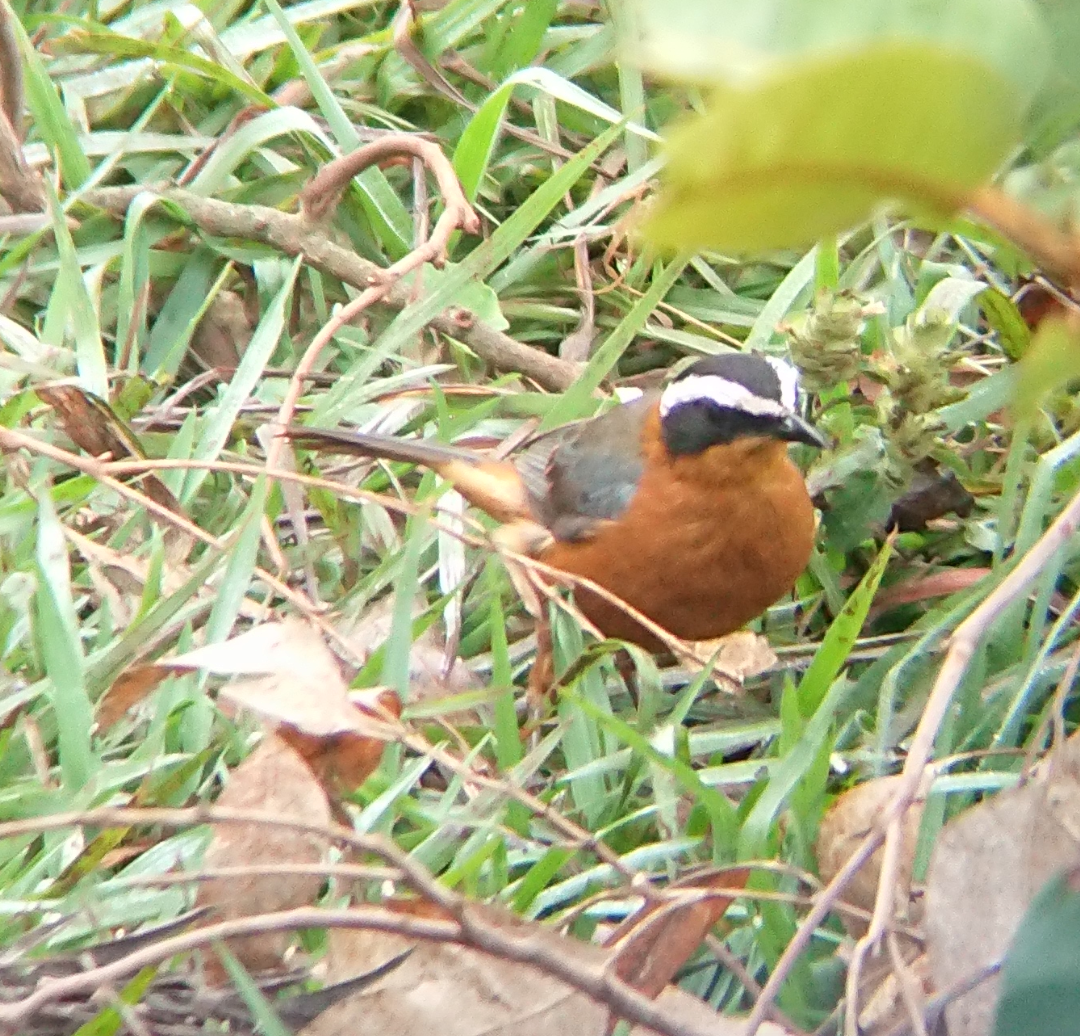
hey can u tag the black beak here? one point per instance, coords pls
(794, 429)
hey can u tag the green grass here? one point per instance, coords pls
(685, 776)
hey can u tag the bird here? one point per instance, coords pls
(683, 502)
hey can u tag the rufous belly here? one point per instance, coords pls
(707, 544)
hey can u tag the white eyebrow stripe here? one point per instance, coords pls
(789, 380)
(722, 392)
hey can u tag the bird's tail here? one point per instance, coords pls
(492, 485)
(383, 447)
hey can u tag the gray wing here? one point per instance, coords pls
(585, 473)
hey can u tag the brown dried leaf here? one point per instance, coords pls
(260, 651)
(851, 818)
(925, 587)
(344, 759)
(742, 654)
(91, 424)
(454, 991)
(303, 697)
(292, 684)
(130, 688)
(429, 678)
(987, 866)
(651, 945)
(933, 493)
(273, 779)
(223, 333)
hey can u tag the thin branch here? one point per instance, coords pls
(823, 906)
(936, 1005)
(969, 634)
(11, 79)
(680, 648)
(320, 196)
(20, 186)
(962, 647)
(292, 235)
(465, 924)
(10, 439)
(1052, 249)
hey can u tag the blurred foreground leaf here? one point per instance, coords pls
(813, 150)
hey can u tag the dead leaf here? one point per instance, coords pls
(292, 684)
(987, 865)
(739, 655)
(453, 991)
(91, 424)
(851, 818)
(273, 779)
(305, 700)
(429, 676)
(224, 332)
(347, 744)
(129, 689)
(933, 493)
(652, 944)
(926, 587)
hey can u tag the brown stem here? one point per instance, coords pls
(292, 235)
(1056, 252)
(323, 193)
(462, 922)
(962, 647)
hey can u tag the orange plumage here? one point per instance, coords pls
(684, 503)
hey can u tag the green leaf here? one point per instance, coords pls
(186, 305)
(1003, 316)
(134, 279)
(262, 1010)
(478, 265)
(577, 400)
(477, 142)
(812, 150)
(57, 631)
(50, 117)
(1040, 982)
(844, 631)
(72, 310)
(220, 419)
(1051, 362)
(109, 1021)
(734, 41)
(165, 57)
(720, 812)
(389, 218)
(240, 567)
(395, 670)
(792, 768)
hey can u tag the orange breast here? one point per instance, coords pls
(707, 544)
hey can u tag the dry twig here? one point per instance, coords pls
(463, 923)
(316, 201)
(962, 645)
(20, 186)
(292, 235)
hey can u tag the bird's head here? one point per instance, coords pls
(730, 397)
